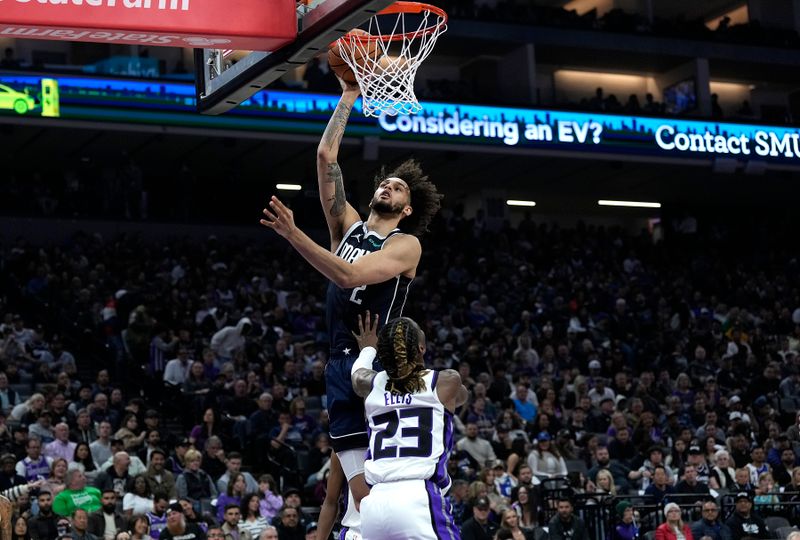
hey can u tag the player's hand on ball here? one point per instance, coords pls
(349, 88)
(279, 218)
(367, 331)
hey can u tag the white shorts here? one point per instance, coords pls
(352, 462)
(407, 510)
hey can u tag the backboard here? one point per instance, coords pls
(226, 78)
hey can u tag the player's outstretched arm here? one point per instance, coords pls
(338, 213)
(362, 374)
(400, 254)
(451, 391)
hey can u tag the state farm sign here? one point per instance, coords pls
(259, 25)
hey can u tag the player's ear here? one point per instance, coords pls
(407, 211)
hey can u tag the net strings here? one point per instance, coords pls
(386, 80)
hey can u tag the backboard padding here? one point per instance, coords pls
(323, 25)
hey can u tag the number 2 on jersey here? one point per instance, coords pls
(354, 294)
(422, 432)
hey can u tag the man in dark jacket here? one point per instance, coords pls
(710, 524)
(565, 525)
(8, 473)
(43, 525)
(289, 527)
(745, 523)
(478, 527)
(106, 522)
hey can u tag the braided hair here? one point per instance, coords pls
(398, 349)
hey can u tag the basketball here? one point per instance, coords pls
(392, 64)
(363, 50)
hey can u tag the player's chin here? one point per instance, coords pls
(384, 207)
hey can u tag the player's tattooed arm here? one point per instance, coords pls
(334, 132)
(338, 202)
(362, 381)
(338, 213)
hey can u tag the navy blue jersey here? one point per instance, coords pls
(386, 299)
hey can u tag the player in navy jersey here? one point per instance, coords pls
(370, 265)
(410, 415)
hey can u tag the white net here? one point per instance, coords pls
(386, 64)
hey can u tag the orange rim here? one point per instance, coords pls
(406, 7)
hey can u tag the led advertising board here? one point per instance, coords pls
(160, 102)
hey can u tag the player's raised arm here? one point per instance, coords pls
(362, 374)
(338, 213)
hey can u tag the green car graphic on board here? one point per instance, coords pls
(18, 101)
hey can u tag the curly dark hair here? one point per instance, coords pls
(425, 199)
(398, 348)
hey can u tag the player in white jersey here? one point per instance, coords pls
(410, 418)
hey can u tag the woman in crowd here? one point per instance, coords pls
(271, 501)
(20, 529)
(545, 460)
(539, 424)
(604, 483)
(252, 520)
(27, 412)
(722, 472)
(710, 447)
(139, 528)
(127, 433)
(766, 493)
(237, 486)
(195, 484)
(646, 433)
(486, 477)
(673, 528)
(523, 501)
(82, 460)
(512, 421)
(197, 385)
(192, 516)
(202, 432)
(677, 457)
(138, 500)
(588, 445)
(268, 376)
(58, 474)
(510, 521)
(626, 528)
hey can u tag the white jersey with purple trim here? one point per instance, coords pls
(410, 435)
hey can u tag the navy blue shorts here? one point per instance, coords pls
(348, 426)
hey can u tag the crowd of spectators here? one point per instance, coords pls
(172, 387)
(619, 20)
(609, 103)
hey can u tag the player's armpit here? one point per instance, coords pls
(399, 256)
(362, 381)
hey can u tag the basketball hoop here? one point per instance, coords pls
(385, 60)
